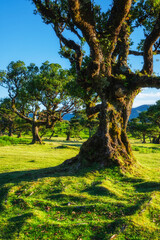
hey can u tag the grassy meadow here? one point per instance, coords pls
(41, 200)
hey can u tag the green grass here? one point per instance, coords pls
(5, 141)
(40, 200)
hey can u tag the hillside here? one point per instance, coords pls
(136, 111)
(134, 114)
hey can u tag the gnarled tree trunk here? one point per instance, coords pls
(144, 138)
(110, 144)
(157, 141)
(19, 135)
(10, 134)
(35, 134)
(68, 136)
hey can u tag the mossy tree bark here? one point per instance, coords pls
(110, 144)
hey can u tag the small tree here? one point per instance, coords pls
(7, 116)
(153, 113)
(38, 95)
(143, 127)
(74, 127)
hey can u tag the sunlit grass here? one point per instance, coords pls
(41, 201)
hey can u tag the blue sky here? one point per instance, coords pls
(25, 37)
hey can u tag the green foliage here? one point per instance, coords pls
(40, 96)
(14, 77)
(154, 113)
(144, 125)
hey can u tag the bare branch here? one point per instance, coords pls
(91, 111)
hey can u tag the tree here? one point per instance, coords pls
(7, 116)
(143, 127)
(153, 113)
(38, 95)
(80, 122)
(104, 71)
(74, 127)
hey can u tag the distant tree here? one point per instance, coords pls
(133, 128)
(9, 121)
(21, 127)
(154, 116)
(38, 95)
(81, 123)
(7, 116)
(104, 71)
(74, 127)
(143, 127)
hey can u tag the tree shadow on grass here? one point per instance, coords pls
(99, 191)
(63, 141)
(106, 231)
(33, 175)
(3, 196)
(67, 200)
(142, 186)
(68, 146)
(119, 211)
(14, 226)
(147, 187)
(68, 170)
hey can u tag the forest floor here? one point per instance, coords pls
(41, 200)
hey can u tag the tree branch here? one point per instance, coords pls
(118, 15)
(148, 47)
(144, 81)
(71, 45)
(91, 111)
(136, 53)
(27, 119)
(83, 18)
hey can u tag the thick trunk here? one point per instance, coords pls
(110, 144)
(144, 138)
(68, 136)
(2, 131)
(35, 132)
(10, 134)
(157, 141)
(154, 140)
(19, 135)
